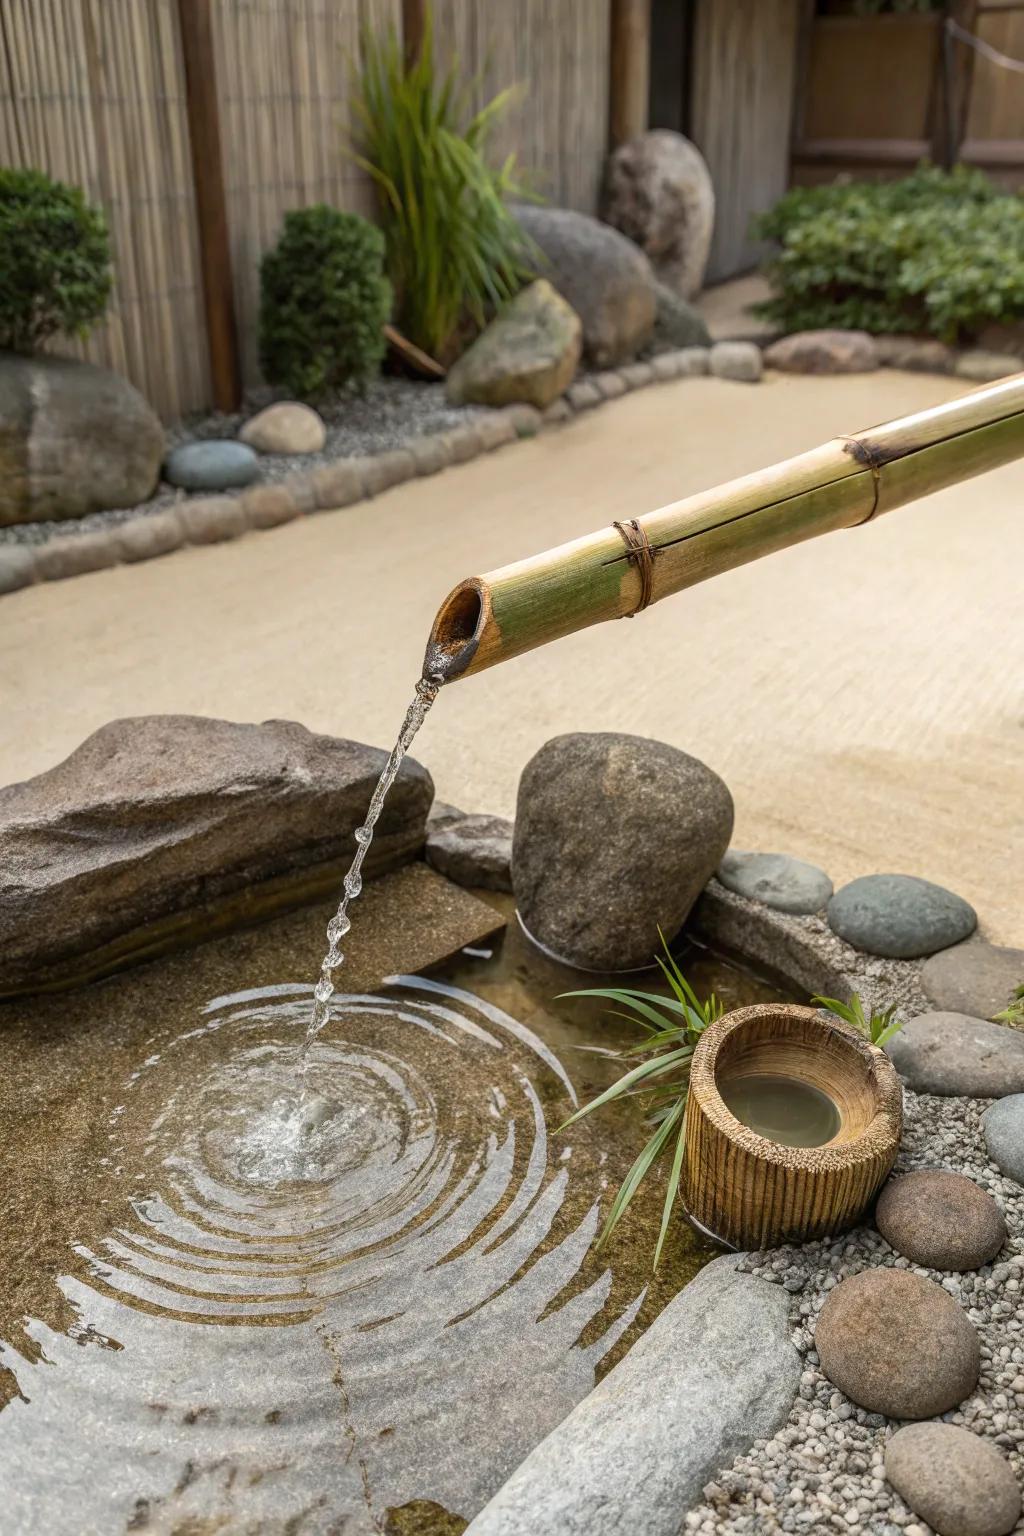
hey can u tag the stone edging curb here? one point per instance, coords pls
(215, 519)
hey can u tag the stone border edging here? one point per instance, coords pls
(715, 1371)
(218, 518)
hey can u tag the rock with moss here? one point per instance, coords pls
(528, 353)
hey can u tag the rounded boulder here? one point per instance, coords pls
(658, 191)
(897, 1344)
(940, 1220)
(289, 427)
(899, 916)
(615, 836)
(956, 1481)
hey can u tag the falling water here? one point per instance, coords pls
(427, 689)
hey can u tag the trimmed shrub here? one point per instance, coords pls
(324, 302)
(55, 275)
(938, 253)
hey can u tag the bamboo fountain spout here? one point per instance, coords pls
(620, 569)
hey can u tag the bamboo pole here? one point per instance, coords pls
(844, 483)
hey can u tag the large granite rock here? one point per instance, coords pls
(658, 191)
(713, 1373)
(897, 1344)
(940, 1220)
(899, 916)
(958, 1482)
(950, 1054)
(615, 836)
(601, 275)
(166, 829)
(528, 352)
(976, 978)
(1003, 1125)
(73, 439)
(777, 879)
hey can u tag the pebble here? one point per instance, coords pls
(737, 360)
(1003, 1125)
(950, 1054)
(953, 1479)
(782, 882)
(940, 1220)
(213, 465)
(899, 916)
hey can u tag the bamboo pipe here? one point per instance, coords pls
(844, 483)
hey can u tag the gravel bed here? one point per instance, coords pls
(823, 1471)
(392, 411)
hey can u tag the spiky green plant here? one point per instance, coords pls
(454, 249)
(673, 1026)
(1014, 1014)
(879, 1028)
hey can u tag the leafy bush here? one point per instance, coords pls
(454, 250)
(324, 302)
(938, 252)
(55, 263)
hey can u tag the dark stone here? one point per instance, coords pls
(897, 1344)
(976, 978)
(603, 276)
(1003, 1124)
(213, 465)
(899, 916)
(614, 836)
(940, 1220)
(168, 828)
(782, 882)
(73, 439)
(958, 1482)
(472, 851)
(949, 1054)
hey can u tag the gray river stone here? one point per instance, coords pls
(214, 465)
(782, 882)
(615, 836)
(1003, 1125)
(472, 850)
(950, 1054)
(956, 1481)
(975, 977)
(899, 916)
(716, 1371)
(164, 828)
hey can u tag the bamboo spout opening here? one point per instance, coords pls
(457, 629)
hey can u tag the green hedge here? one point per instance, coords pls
(938, 253)
(54, 260)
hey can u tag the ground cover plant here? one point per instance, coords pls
(455, 252)
(939, 253)
(878, 1028)
(1014, 1013)
(55, 275)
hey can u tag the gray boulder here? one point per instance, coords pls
(475, 851)
(782, 882)
(957, 1481)
(1003, 1125)
(615, 836)
(214, 465)
(658, 191)
(713, 1373)
(676, 323)
(899, 916)
(528, 353)
(950, 1054)
(975, 977)
(601, 275)
(73, 439)
(162, 829)
(940, 1220)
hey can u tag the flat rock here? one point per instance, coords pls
(740, 361)
(824, 351)
(1003, 1124)
(940, 1220)
(897, 1344)
(782, 882)
(975, 977)
(163, 829)
(214, 465)
(949, 1054)
(529, 353)
(658, 191)
(472, 851)
(615, 836)
(714, 1372)
(899, 916)
(958, 1482)
(289, 427)
(915, 354)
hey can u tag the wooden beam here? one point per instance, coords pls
(414, 23)
(630, 65)
(211, 207)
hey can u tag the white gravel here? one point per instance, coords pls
(823, 1471)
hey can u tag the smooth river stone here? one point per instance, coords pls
(1003, 1125)
(897, 1344)
(782, 882)
(956, 1481)
(949, 1054)
(976, 978)
(940, 1220)
(215, 465)
(899, 916)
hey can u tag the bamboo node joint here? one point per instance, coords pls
(641, 553)
(864, 454)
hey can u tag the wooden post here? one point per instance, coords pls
(211, 208)
(629, 83)
(413, 26)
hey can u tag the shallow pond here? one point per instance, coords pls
(236, 1295)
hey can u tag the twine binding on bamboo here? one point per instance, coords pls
(639, 552)
(863, 452)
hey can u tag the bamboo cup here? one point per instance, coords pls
(844, 483)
